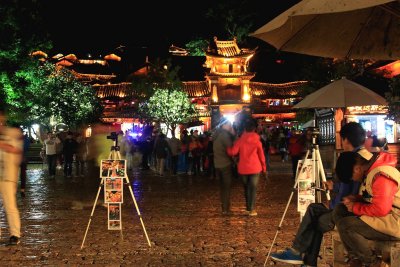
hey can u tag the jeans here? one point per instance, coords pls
(52, 164)
(250, 182)
(160, 165)
(225, 179)
(316, 221)
(355, 234)
(68, 160)
(8, 191)
(174, 163)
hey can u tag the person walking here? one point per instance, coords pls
(297, 150)
(50, 148)
(81, 153)
(222, 139)
(175, 144)
(251, 163)
(70, 147)
(161, 150)
(11, 148)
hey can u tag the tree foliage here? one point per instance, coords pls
(58, 94)
(160, 74)
(20, 37)
(197, 47)
(170, 106)
(235, 18)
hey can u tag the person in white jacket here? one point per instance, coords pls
(11, 146)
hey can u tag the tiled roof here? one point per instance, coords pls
(114, 90)
(196, 89)
(92, 77)
(228, 49)
(278, 91)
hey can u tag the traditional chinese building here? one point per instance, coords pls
(226, 90)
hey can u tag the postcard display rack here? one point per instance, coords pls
(113, 175)
(309, 180)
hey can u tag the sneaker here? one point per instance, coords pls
(253, 213)
(13, 241)
(288, 256)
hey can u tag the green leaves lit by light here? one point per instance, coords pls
(171, 107)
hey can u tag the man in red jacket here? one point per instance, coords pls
(251, 162)
(373, 214)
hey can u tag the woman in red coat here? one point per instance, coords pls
(251, 162)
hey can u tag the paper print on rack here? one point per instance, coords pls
(305, 179)
(113, 196)
(113, 183)
(303, 202)
(114, 225)
(114, 211)
(113, 168)
(306, 170)
(305, 187)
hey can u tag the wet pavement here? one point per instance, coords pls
(181, 215)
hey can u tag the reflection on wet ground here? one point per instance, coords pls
(181, 215)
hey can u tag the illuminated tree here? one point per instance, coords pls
(20, 37)
(171, 107)
(58, 94)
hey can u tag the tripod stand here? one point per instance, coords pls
(318, 176)
(115, 154)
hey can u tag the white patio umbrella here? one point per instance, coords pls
(355, 29)
(340, 94)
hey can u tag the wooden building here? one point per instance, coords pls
(226, 90)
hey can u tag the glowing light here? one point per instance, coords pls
(88, 132)
(230, 117)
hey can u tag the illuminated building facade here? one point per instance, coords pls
(228, 89)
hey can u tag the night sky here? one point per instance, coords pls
(87, 25)
(148, 28)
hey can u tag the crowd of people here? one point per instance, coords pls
(366, 196)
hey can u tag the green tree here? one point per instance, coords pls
(197, 46)
(234, 16)
(58, 94)
(22, 33)
(170, 106)
(160, 74)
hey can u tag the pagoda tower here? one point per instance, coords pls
(228, 78)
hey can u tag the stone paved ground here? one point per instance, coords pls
(181, 215)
